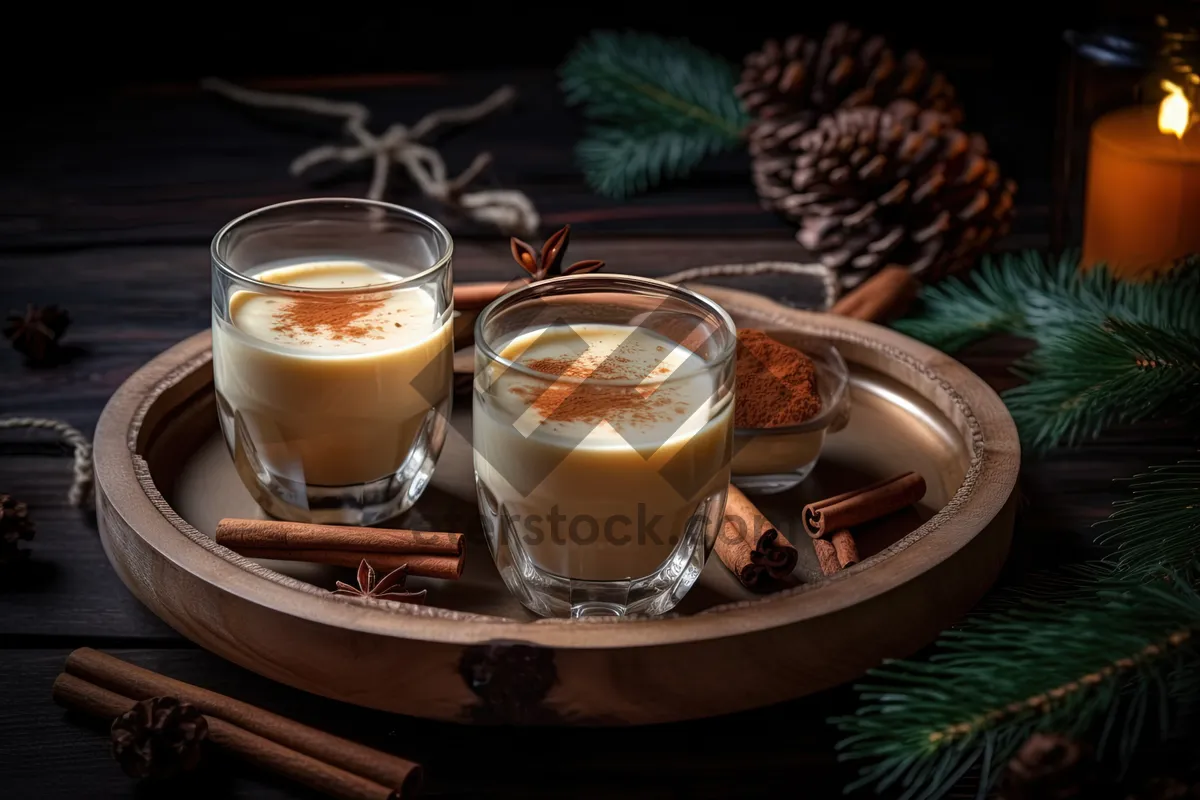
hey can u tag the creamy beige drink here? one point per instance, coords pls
(598, 447)
(329, 389)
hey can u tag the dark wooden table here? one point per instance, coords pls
(108, 210)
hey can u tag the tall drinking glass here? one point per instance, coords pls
(332, 355)
(603, 434)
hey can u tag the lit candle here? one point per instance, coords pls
(1143, 189)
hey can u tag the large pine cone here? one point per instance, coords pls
(871, 187)
(159, 737)
(803, 78)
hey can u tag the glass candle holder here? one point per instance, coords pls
(1125, 186)
(332, 355)
(602, 426)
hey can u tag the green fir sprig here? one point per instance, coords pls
(658, 107)
(1108, 652)
(1109, 351)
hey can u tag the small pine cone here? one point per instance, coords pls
(870, 187)
(804, 78)
(159, 737)
(1051, 767)
(15, 525)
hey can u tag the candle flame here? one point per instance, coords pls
(1175, 112)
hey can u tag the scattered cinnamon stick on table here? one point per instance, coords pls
(885, 295)
(77, 694)
(862, 505)
(751, 547)
(136, 683)
(428, 554)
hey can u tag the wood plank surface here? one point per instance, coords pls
(107, 205)
(750, 754)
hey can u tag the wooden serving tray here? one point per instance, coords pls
(475, 655)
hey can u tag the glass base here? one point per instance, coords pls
(773, 483)
(361, 504)
(551, 595)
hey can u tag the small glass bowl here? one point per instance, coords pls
(770, 460)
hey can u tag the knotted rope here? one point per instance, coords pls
(510, 211)
(80, 493)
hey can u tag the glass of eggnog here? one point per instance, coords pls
(603, 428)
(332, 355)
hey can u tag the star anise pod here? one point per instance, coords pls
(389, 587)
(35, 333)
(553, 251)
(159, 737)
(15, 525)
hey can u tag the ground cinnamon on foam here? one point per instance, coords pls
(594, 402)
(776, 384)
(337, 318)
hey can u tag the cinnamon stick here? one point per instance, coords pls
(750, 546)
(79, 695)
(474, 296)
(885, 295)
(448, 568)
(845, 547)
(428, 554)
(827, 558)
(271, 534)
(862, 505)
(133, 681)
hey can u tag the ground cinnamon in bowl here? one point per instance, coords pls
(776, 385)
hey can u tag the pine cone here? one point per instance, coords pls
(1050, 767)
(35, 333)
(15, 525)
(159, 737)
(803, 79)
(870, 187)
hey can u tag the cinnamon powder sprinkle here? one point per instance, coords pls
(594, 402)
(336, 317)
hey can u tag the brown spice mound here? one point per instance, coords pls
(776, 384)
(337, 317)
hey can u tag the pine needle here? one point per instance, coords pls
(1109, 351)
(660, 106)
(1118, 656)
(1019, 293)
(1086, 376)
(1159, 526)
(1106, 650)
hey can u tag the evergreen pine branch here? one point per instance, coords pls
(1159, 526)
(1105, 666)
(661, 105)
(619, 163)
(1086, 376)
(1020, 293)
(1102, 649)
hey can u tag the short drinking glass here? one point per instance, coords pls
(332, 355)
(602, 426)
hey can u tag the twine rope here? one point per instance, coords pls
(509, 210)
(80, 493)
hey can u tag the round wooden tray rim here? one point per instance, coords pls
(987, 487)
